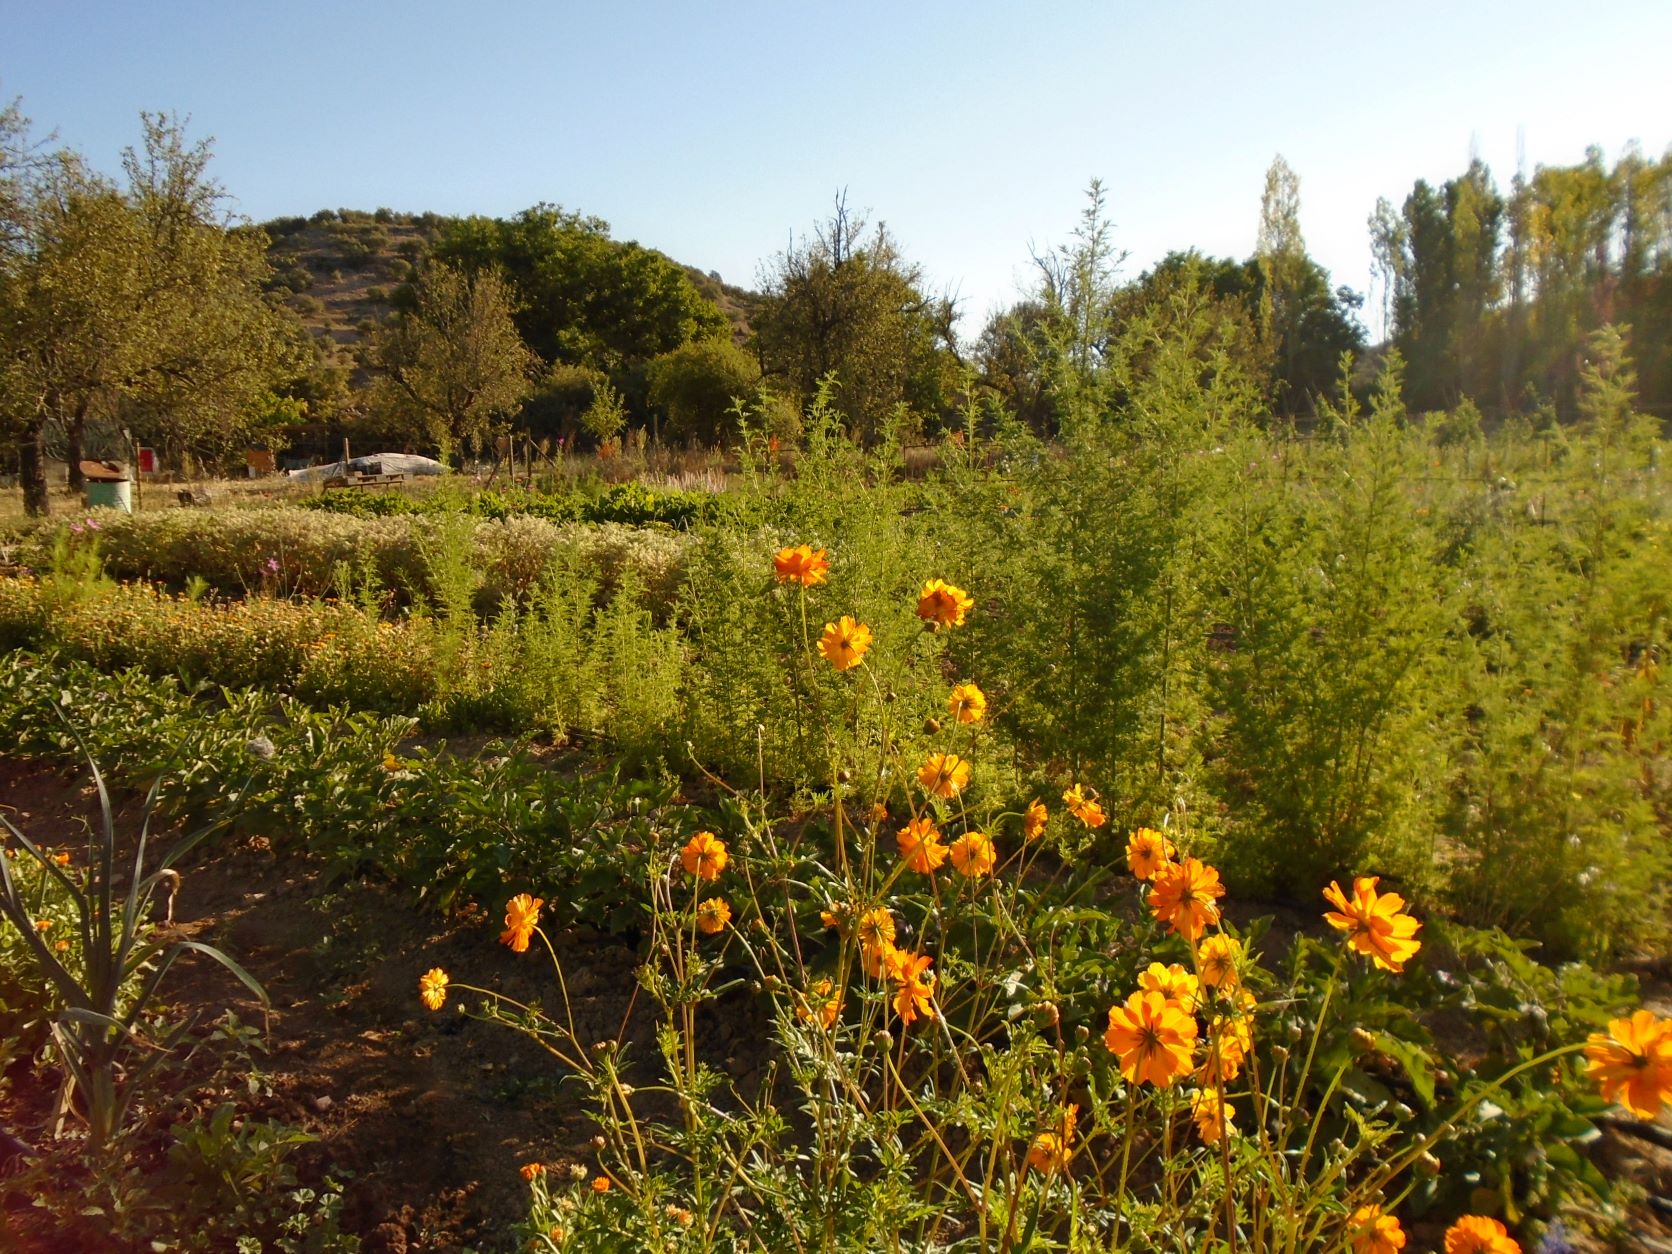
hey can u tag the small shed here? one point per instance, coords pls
(109, 486)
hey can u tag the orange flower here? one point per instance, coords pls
(879, 813)
(920, 846)
(391, 763)
(1172, 981)
(1372, 1232)
(1147, 852)
(704, 856)
(802, 564)
(600, 1184)
(41, 925)
(942, 605)
(944, 774)
(822, 1002)
(1182, 896)
(62, 859)
(1218, 960)
(1213, 1115)
(432, 988)
(1052, 1148)
(844, 643)
(1230, 1038)
(529, 1171)
(1373, 923)
(973, 855)
(1082, 803)
(915, 991)
(522, 915)
(62, 946)
(1476, 1234)
(1152, 1036)
(713, 915)
(876, 926)
(1034, 819)
(967, 704)
(878, 957)
(1633, 1062)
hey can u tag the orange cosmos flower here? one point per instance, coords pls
(942, 605)
(822, 1002)
(1172, 981)
(915, 987)
(41, 925)
(1476, 1234)
(1082, 804)
(432, 988)
(973, 855)
(713, 915)
(1372, 1232)
(529, 1171)
(1213, 1115)
(1218, 960)
(1230, 1038)
(1147, 851)
(522, 915)
(920, 846)
(62, 946)
(844, 643)
(704, 856)
(1152, 1036)
(600, 1184)
(1633, 1062)
(876, 926)
(61, 859)
(1051, 1149)
(878, 957)
(944, 774)
(1182, 895)
(967, 704)
(802, 564)
(1034, 819)
(1373, 923)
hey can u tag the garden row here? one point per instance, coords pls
(1026, 962)
(1398, 648)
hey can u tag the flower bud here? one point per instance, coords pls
(882, 1039)
(598, 1143)
(1082, 1033)
(931, 726)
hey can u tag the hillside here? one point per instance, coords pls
(342, 271)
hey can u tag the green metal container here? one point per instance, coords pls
(111, 494)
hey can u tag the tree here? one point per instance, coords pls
(696, 385)
(845, 303)
(455, 367)
(1304, 326)
(584, 298)
(131, 304)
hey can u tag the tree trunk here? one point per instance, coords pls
(73, 438)
(31, 464)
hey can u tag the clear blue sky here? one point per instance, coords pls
(711, 129)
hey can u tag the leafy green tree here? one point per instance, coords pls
(582, 297)
(1304, 326)
(134, 305)
(455, 369)
(696, 386)
(845, 304)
